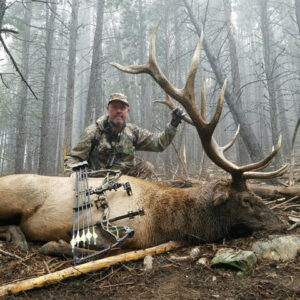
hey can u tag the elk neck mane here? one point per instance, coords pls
(190, 213)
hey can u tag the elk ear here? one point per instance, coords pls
(220, 197)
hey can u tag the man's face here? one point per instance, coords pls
(117, 112)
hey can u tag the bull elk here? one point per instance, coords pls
(42, 206)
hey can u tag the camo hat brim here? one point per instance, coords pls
(118, 97)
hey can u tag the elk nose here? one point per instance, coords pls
(280, 226)
(284, 226)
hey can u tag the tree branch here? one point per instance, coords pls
(16, 66)
(1, 76)
(8, 30)
(4, 158)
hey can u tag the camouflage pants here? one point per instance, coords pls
(143, 169)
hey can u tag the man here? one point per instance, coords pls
(110, 142)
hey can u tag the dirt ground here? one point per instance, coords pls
(168, 279)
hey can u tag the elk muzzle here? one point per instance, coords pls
(253, 214)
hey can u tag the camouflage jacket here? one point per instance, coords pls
(97, 145)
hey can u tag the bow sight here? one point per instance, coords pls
(112, 185)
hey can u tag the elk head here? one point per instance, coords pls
(246, 211)
(236, 190)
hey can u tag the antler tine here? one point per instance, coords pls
(153, 69)
(226, 147)
(203, 100)
(152, 47)
(264, 162)
(152, 58)
(266, 175)
(131, 69)
(190, 83)
(168, 102)
(213, 123)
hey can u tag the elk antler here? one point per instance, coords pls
(168, 102)
(205, 129)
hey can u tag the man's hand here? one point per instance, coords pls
(177, 116)
(80, 165)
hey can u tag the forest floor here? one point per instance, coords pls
(168, 279)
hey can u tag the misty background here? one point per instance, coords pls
(63, 50)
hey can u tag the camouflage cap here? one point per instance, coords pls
(118, 97)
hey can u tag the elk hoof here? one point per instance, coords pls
(14, 234)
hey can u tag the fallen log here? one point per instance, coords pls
(275, 191)
(51, 278)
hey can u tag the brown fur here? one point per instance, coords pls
(44, 204)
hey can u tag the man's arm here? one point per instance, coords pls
(158, 142)
(81, 150)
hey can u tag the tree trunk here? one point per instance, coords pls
(59, 104)
(284, 128)
(121, 75)
(61, 108)
(167, 153)
(29, 159)
(71, 78)
(246, 132)
(23, 92)
(2, 147)
(297, 7)
(54, 133)
(182, 132)
(235, 74)
(44, 144)
(95, 75)
(271, 84)
(82, 81)
(2, 11)
(144, 101)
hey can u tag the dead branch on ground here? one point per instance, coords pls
(282, 204)
(10, 254)
(51, 278)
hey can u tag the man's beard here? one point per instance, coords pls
(117, 123)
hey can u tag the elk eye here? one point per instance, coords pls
(247, 202)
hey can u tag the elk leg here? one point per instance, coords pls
(14, 234)
(5, 235)
(64, 249)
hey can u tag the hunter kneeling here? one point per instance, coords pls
(110, 143)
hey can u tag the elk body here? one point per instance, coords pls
(43, 208)
(43, 205)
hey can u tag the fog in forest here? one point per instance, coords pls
(56, 76)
